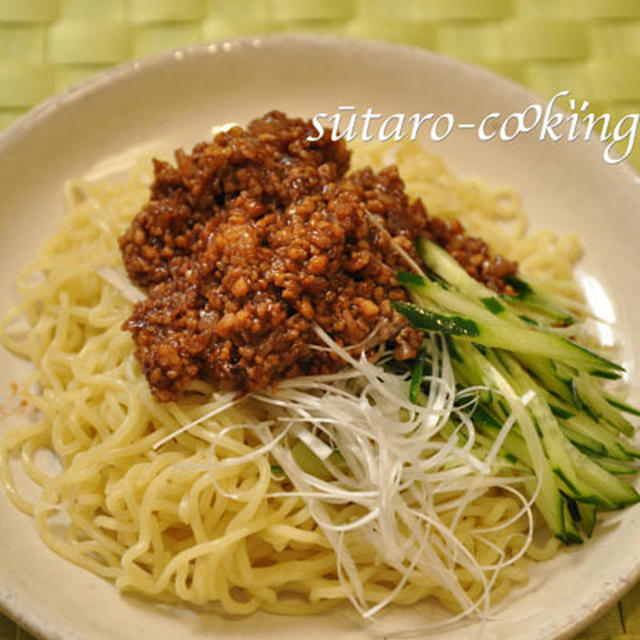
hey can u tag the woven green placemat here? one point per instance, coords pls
(591, 47)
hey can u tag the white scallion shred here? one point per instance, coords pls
(404, 465)
(120, 282)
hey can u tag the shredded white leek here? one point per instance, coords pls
(120, 282)
(404, 466)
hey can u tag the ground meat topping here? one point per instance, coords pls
(251, 240)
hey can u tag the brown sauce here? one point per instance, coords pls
(251, 240)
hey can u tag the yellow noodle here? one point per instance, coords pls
(167, 523)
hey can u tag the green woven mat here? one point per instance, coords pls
(591, 47)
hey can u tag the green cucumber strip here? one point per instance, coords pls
(565, 372)
(616, 467)
(415, 393)
(566, 467)
(615, 446)
(619, 404)
(584, 442)
(431, 321)
(483, 447)
(470, 374)
(484, 444)
(513, 444)
(584, 407)
(609, 486)
(607, 375)
(446, 267)
(549, 500)
(582, 493)
(585, 480)
(588, 514)
(546, 311)
(572, 506)
(434, 297)
(570, 534)
(453, 352)
(310, 463)
(511, 338)
(522, 288)
(587, 433)
(595, 403)
(544, 303)
(545, 370)
(493, 305)
(560, 412)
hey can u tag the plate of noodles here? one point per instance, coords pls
(262, 381)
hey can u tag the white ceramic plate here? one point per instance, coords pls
(173, 100)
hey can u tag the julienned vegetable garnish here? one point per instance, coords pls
(507, 344)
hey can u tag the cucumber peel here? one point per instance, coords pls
(570, 433)
(512, 338)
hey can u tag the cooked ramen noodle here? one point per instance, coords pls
(233, 501)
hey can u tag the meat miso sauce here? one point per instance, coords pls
(253, 239)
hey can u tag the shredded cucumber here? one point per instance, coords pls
(570, 432)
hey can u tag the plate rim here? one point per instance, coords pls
(17, 608)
